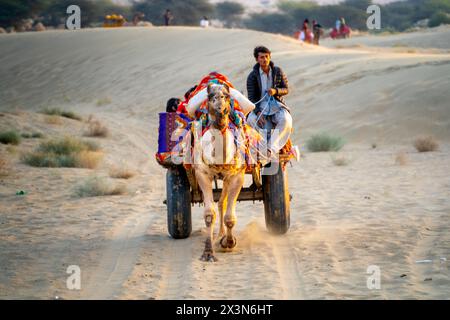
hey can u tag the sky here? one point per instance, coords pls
(270, 5)
(260, 3)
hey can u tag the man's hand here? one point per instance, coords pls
(262, 120)
(272, 92)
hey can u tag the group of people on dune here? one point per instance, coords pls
(267, 85)
(312, 34)
(309, 34)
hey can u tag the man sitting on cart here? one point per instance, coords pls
(266, 86)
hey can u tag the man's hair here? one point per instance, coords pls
(172, 104)
(259, 50)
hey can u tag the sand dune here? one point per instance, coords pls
(344, 219)
(428, 39)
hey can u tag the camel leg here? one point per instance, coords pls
(222, 208)
(235, 183)
(209, 214)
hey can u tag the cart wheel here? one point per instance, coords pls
(276, 201)
(179, 220)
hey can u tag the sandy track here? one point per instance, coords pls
(117, 261)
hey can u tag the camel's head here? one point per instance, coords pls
(219, 105)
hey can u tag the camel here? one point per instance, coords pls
(219, 158)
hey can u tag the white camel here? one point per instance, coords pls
(217, 156)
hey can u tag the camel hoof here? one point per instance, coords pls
(221, 233)
(208, 257)
(228, 243)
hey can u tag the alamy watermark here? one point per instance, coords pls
(374, 20)
(73, 22)
(73, 282)
(374, 278)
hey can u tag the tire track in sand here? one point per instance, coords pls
(288, 269)
(118, 259)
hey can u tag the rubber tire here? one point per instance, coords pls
(276, 201)
(179, 219)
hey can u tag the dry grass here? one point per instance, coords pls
(11, 149)
(34, 135)
(103, 101)
(66, 152)
(323, 142)
(4, 167)
(340, 160)
(18, 111)
(88, 159)
(68, 145)
(62, 113)
(121, 173)
(401, 159)
(96, 129)
(96, 187)
(426, 144)
(400, 45)
(55, 120)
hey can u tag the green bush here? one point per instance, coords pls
(324, 142)
(10, 137)
(34, 135)
(66, 146)
(37, 135)
(439, 18)
(66, 152)
(186, 12)
(50, 160)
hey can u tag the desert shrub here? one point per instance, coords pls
(61, 113)
(4, 167)
(96, 186)
(66, 152)
(401, 159)
(121, 173)
(340, 160)
(88, 159)
(10, 137)
(53, 119)
(96, 129)
(34, 135)
(426, 144)
(103, 101)
(324, 142)
(67, 145)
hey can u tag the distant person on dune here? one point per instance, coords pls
(138, 17)
(204, 23)
(168, 17)
(341, 31)
(317, 32)
(306, 34)
(338, 24)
